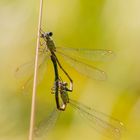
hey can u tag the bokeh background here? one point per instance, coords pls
(98, 24)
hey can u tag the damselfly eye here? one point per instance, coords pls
(50, 33)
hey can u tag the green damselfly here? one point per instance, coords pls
(73, 56)
(102, 123)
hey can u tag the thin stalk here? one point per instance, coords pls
(32, 118)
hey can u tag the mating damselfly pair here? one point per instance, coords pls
(101, 122)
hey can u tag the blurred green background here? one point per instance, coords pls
(99, 24)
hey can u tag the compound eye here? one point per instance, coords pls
(50, 33)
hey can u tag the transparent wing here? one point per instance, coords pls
(87, 54)
(101, 122)
(90, 71)
(47, 124)
(24, 73)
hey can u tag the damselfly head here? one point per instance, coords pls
(46, 34)
(49, 33)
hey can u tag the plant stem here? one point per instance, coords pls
(32, 118)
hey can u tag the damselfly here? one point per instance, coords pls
(99, 121)
(102, 123)
(48, 48)
(76, 57)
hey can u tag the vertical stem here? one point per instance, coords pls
(32, 118)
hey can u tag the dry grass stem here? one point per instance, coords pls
(32, 118)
